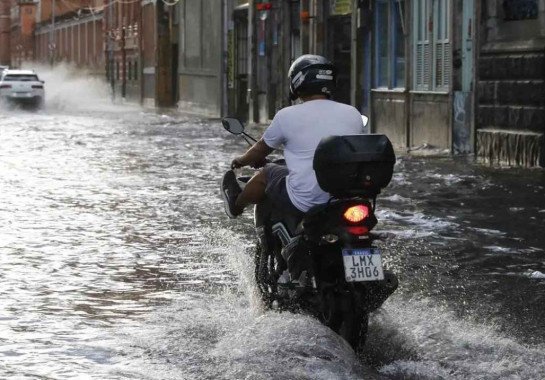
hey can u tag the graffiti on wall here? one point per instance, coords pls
(461, 131)
(520, 9)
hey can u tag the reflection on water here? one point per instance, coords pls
(102, 222)
(117, 262)
(474, 240)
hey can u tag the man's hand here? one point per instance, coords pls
(237, 163)
(255, 156)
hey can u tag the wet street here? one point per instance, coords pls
(118, 262)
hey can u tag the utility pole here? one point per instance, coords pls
(52, 35)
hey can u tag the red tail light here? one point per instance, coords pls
(37, 86)
(5, 85)
(356, 214)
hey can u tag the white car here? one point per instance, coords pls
(21, 86)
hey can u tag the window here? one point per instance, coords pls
(389, 44)
(21, 78)
(432, 50)
(520, 10)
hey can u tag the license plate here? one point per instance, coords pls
(363, 264)
(22, 94)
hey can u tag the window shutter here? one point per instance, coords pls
(427, 65)
(422, 46)
(443, 65)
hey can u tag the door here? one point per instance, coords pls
(462, 139)
(339, 31)
(241, 64)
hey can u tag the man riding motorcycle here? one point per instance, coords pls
(299, 128)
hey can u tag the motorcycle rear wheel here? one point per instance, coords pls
(263, 276)
(345, 315)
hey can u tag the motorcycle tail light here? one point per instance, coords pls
(356, 214)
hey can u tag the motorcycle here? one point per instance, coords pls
(326, 263)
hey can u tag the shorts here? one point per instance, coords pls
(276, 189)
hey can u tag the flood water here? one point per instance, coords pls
(117, 262)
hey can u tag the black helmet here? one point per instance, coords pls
(311, 75)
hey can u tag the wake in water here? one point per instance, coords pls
(415, 339)
(227, 335)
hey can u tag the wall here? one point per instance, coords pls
(200, 56)
(76, 41)
(430, 121)
(511, 84)
(390, 116)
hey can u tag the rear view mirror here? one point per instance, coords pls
(366, 127)
(232, 125)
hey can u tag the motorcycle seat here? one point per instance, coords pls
(316, 209)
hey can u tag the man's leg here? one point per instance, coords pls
(235, 199)
(253, 192)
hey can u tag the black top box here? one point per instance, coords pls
(355, 165)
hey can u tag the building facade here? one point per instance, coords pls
(200, 59)
(416, 65)
(50, 31)
(458, 76)
(141, 51)
(70, 34)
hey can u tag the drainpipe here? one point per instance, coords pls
(224, 63)
(252, 114)
(108, 27)
(355, 52)
(141, 53)
(305, 32)
(123, 64)
(52, 35)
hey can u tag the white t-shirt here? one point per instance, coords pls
(300, 128)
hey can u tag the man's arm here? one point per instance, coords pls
(255, 156)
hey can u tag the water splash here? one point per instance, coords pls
(418, 339)
(72, 89)
(228, 335)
